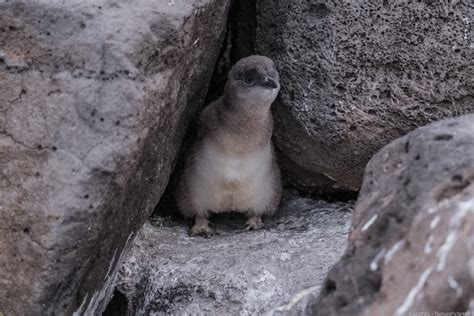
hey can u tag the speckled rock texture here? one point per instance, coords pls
(94, 99)
(411, 246)
(359, 74)
(275, 271)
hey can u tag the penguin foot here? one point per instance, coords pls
(201, 228)
(255, 223)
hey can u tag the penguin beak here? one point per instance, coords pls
(269, 83)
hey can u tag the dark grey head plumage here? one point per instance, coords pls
(253, 80)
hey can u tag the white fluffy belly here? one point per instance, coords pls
(226, 181)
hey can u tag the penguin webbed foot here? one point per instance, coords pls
(255, 223)
(201, 228)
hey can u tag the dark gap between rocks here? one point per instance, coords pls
(331, 197)
(117, 306)
(239, 42)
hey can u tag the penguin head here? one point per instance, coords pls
(253, 82)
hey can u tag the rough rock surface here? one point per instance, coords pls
(357, 75)
(94, 99)
(271, 271)
(411, 246)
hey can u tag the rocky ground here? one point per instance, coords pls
(275, 271)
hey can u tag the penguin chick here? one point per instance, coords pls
(231, 165)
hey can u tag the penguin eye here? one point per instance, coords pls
(250, 77)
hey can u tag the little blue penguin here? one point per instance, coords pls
(231, 163)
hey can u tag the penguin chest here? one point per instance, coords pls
(233, 181)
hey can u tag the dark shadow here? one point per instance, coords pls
(117, 306)
(239, 42)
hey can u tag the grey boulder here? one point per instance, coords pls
(357, 75)
(94, 99)
(411, 245)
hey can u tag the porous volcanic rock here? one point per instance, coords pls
(357, 75)
(94, 99)
(411, 246)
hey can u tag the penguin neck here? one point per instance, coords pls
(242, 116)
(251, 125)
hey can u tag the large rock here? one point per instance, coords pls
(357, 75)
(272, 271)
(94, 99)
(411, 246)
